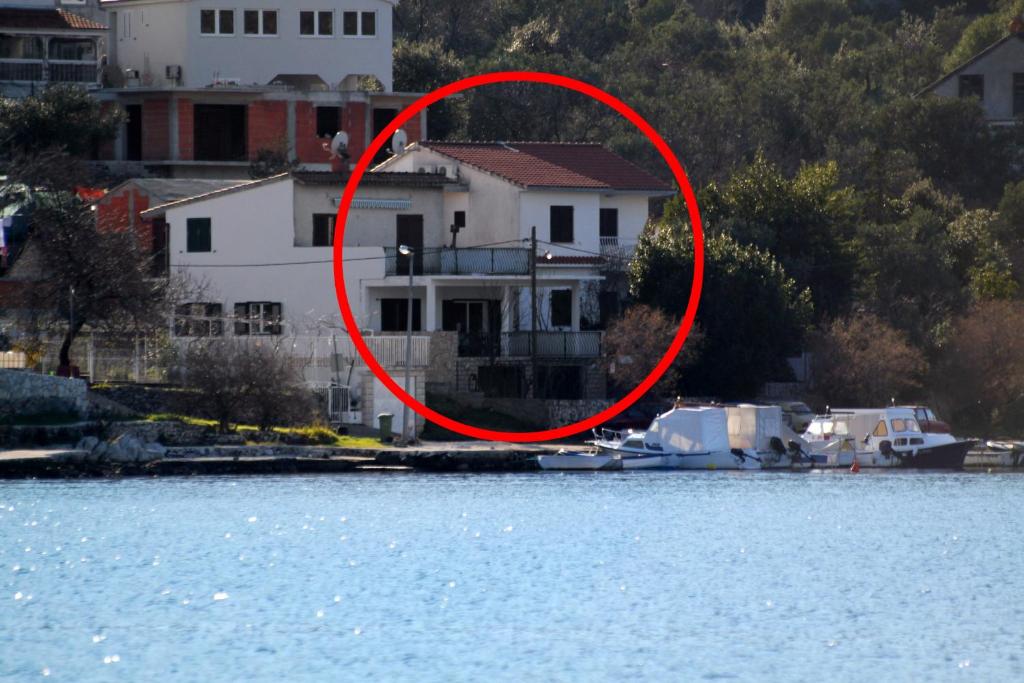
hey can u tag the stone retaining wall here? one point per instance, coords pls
(24, 394)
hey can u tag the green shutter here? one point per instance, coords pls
(198, 234)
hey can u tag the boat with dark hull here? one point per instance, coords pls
(881, 437)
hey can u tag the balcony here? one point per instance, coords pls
(550, 345)
(447, 261)
(617, 248)
(41, 71)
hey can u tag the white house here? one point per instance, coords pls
(192, 44)
(211, 85)
(995, 76)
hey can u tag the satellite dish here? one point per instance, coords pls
(399, 141)
(339, 145)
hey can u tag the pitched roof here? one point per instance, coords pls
(379, 178)
(552, 164)
(170, 189)
(46, 20)
(991, 48)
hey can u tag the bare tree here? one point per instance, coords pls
(236, 380)
(862, 360)
(635, 342)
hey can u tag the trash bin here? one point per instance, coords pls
(384, 424)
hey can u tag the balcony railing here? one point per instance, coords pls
(446, 261)
(53, 71)
(517, 344)
(616, 247)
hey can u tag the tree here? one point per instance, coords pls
(980, 376)
(752, 314)
(636, 341)
(234, 380)
(66, 117)
(863, 361)
(83, 276)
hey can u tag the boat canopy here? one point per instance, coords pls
(692, 430)
(752, 427)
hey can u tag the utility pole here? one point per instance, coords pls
(410, 435)
(533, 309)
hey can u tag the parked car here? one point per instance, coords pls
(796, 414)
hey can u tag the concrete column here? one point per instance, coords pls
(172, 127)
(576, 306)
(292, 148)
(430, 303)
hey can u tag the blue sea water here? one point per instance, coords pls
(668, 576)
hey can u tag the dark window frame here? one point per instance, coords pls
(260, 15)
(395, 319)
(323, 229)
(199, 319)
(198, 235)
(562, 219)
(609, 223)
(971, 85)
(328, 121)
(560, 305)
(258, 318)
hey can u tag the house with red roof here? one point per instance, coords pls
(42, 42)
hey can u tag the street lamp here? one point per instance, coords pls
(407, 438)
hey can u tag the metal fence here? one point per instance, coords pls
(337, 400)
(447, 261)
(517, 344)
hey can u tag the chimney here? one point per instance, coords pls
(1017, 25)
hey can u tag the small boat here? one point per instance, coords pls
(881, 437)
(691, 438)
(578, 461)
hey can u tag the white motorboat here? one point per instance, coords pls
(682, 438)
(881, 437)
(578, 461)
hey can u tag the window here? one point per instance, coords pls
(323, 229)
(459, 219)
(219, 22)
(899, 426)
(880, 430)
(257, 318)
(972, 85)
(609, 229)
(73, 49)
(198, 235)
(561, 308)
(21, 47)
(1018, 94)
(316, 23)
(260, 22)
(394, 314)
(219, 132)
(359, 23)
(327, 121)
(199, 320)
(561, 223)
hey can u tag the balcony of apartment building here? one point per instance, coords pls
(43, 60)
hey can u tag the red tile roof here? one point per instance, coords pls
(552, 164)
(46, 20)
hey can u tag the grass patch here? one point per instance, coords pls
(316, 435)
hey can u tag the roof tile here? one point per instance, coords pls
(552, 164)
(46, 19)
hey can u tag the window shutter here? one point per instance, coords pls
(197, 233)
(241, 320)
(275, 318)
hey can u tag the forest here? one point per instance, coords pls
(883, 226)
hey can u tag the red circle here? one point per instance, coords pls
(698, 252)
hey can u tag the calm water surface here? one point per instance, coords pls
(652, 576)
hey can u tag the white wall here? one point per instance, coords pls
(633, 213)
(998, 68)
(168, 32)
(536, 211)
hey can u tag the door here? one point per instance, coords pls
(478, 322)
(133, 133)
(409, 231)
